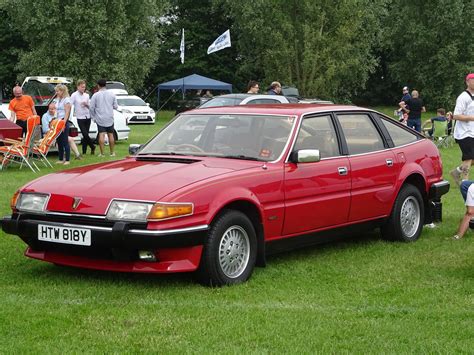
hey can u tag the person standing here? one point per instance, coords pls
(275, 88)
(414, 107)
(80, 101)
(464, 130)
(63, 109)
(406, 95)
(253, 87)
(102, 107)
(21, 107)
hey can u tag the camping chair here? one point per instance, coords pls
(440, 133)
(41, 149)
(20, 151)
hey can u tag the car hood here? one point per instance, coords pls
(132, 179)
(136, 108)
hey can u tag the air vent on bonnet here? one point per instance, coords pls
(167, 159)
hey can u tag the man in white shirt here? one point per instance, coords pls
(80, 101)
(464, 130)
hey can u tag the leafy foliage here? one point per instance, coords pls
(89, 39)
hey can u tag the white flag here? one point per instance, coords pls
(223, 41)
(181, 47)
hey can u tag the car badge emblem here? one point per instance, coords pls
(76, 202)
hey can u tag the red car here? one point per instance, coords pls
(218, 189)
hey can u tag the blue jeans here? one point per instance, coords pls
(414, 123)
(63, 144)
(464, 187)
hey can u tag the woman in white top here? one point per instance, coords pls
(63, 110)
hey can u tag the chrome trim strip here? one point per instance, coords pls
(169, 231)
(63, 214)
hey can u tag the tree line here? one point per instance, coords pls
(361, 51)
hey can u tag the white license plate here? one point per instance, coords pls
(64, 235)
(142, 117)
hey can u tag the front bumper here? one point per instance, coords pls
(114, 246)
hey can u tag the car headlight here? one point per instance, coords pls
(128, 112)
(129, 210)
(32, 202)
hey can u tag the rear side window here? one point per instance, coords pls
(360, 133)
(262, 101)
(399, 135)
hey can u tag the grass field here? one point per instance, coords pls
(359, 295)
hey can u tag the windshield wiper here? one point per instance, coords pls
(242, 157)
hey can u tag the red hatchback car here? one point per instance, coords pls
(218, 189)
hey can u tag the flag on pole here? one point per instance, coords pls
(181, 47)
(223, 41)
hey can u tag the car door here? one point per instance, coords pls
(317, 195)
(373, 166)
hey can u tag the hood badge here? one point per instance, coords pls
(76, 202)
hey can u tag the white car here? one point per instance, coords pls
(117, 87)
(41, 89)
(135, 110)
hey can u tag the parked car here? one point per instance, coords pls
(218, 189)
(135, 109)
(246, 99)
(8, 130)
(41, 89)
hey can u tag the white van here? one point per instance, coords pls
(41, 89)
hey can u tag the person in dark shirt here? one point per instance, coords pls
(428, 126)
(414, 107)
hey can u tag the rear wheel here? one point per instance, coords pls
(230, 251)
(406, 221)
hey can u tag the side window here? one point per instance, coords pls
(318, 133)
(360, 133)
(399, 135)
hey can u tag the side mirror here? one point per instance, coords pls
(134, 148)
(305, 156)
(148, 104)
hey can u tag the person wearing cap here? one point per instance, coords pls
(275, 88)
(464, 130)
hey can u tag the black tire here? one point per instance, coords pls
(408, 214)
(230, 251)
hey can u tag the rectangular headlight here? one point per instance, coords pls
(32, 202)
(129, 210)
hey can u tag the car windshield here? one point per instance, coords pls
(222, 101)
(115, 85)
(130, 102)
(41, 93)
(252, 137)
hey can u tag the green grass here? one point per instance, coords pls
(359, 295)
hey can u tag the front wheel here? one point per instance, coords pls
(406, 221)
(230, 251)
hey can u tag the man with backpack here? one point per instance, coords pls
(464, 130)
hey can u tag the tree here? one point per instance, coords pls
(322, 47)
(429, 47)
(88, 39)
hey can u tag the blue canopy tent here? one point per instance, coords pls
(193, 82)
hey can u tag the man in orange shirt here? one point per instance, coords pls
(21, 107)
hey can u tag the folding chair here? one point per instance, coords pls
(20, 151)
(41, 149)
(440, 133)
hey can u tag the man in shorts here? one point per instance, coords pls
(102, 107)
(467, 191)
(464, 130)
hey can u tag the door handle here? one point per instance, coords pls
(342, 170)
(389, 162)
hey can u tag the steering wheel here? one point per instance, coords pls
(193, 147)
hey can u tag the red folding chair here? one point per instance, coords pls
(40, 150)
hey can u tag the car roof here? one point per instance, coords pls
(49, 79)
(277, 109)
(243, 96)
